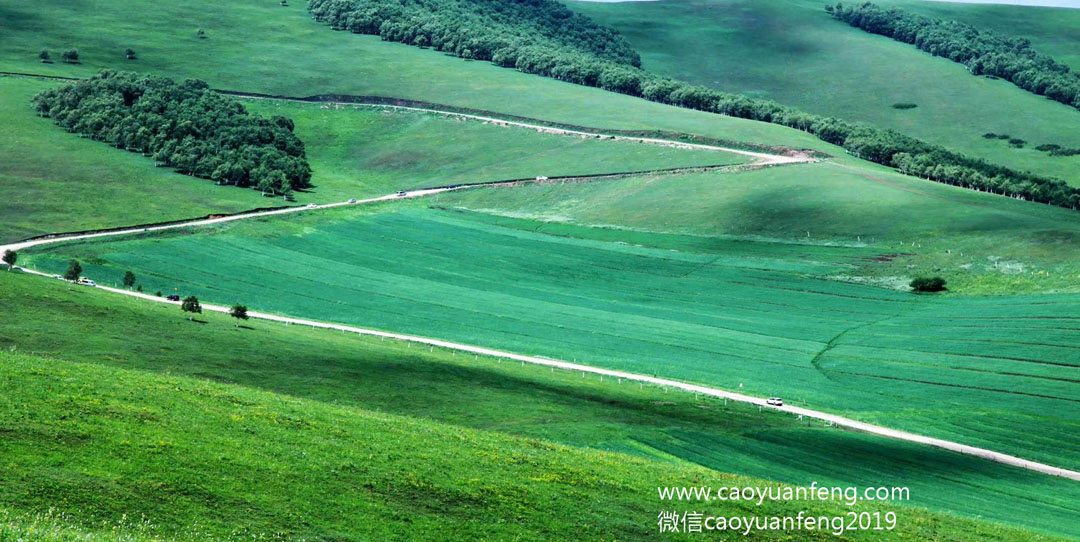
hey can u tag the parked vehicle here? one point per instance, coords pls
(400, 193)
(352, 200)
(774, 401)
(86, 282)
(541, 178)
(311, 206)
(173, 297)
(61, 277)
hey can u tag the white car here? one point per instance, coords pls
(774, 401)
(86, 282)
(352, 200)
(311, 206)
(400, 194)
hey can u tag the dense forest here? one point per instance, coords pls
(543, 38)
(982, 51)
(504, 32)
(183, 125)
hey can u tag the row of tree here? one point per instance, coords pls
(581, 66)
(505, 32)
(983, 52)
(183, 125)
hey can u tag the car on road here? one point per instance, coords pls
(400, 193)
(352, 200)
(173, 297)
(86, 282)
(774, 401)
(311, 206)
(61, 277)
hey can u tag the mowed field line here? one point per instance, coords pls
(832, 419)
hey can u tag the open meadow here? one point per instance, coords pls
(752, 315)
(793, 52)
(308, 372)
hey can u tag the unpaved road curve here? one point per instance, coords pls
(632, 377)
(761, 157)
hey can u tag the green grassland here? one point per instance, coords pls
(981, 244)
(358, 151)
(1052, 31)
(793, 52)
(282, 51)
(128, 341)
(54, 181)
(718, 311)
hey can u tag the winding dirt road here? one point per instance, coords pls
(565, 365)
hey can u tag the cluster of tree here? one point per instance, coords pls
(183, 125)
(982, 51)
(589, 68)
(507, 32)
(928, 284)
(1057, 150)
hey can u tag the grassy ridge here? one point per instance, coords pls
(362, 374)
(55, 181)
(364, 151)
(282, 51)
(981, 244)
(696, 314)
(804, 58)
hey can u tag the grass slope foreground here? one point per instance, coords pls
(184, 431)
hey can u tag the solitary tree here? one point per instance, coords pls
(239, 312)
(74, 271)
(44, 56)
(129, 279)
(191, 304)
(9, 258)
(928, 284)
(71, 55)
(129, 53)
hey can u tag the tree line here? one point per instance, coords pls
(184, 125)
(504, 32)
(983, 52)
(578, 61)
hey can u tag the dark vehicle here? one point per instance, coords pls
(173, 297)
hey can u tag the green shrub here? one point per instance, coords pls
(928, 284)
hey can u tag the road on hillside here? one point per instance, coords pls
(832, 419)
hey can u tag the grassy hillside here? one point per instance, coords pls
(980, 243)
(55, 181)
(282, 51)
(320, 368)
(694, 313)
(795, 53)
(1051, 30)
(360, 151)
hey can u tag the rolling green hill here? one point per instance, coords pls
(720, 312)
(124, 346)
(793, 52)
(56, 182)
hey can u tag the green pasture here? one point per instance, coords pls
(282, 51)
(358, 151)
(124, 343)
(760, 315)
(792, 52)
(1052, 31)
(53, 181)
(980, 243)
